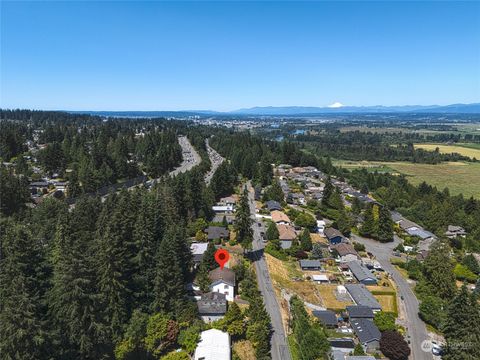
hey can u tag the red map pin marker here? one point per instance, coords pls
(221, 257)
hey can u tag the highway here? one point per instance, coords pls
(215, 159)
(416, 330)
(189, 155)
(279, 345)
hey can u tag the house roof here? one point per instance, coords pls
(214, 345)
(359, 357)
(362, 296)
(359, 311)
(343, 343)
(320, 277)
(421, 233)
(310, 263)
(198, 248)
(222, 275)
(326, 317)
(285, 244)
(360, 272)
(345, 249)
(212, 303)
(217, 232)
(286, 232)
(273, 205)
(279, 216)
(407, 224)
(331, 233)
(365, 330)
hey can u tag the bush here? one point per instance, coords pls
(394, 346)
(464, 273)
(279, 254)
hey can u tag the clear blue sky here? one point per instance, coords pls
(226, 55)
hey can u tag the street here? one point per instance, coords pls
(215, 159)
(279, 346)
(416, 330)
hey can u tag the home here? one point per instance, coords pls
(361, 296)
(197, 250)
(346, 252)
(367, 333)
(310, 264)
(217, 232)
(60, 185)
(229, 218)
(359, 312)
(273, 205)
(212, 306)
(224, 209)
(214, 345)
(454, 231)
(296, 198)
(321, 279)
(361, 273)
(326, 317)
(279, 217)
(334, 236)
(229, 200)
(345, 345)
(223, 281)
(286, 232)
(320, 226)
(37, 186)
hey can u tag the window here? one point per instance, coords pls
(225, 286)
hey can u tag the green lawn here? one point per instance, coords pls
(459, 177)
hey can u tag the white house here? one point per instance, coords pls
(320, 226)
(214, 345)
(223, 281)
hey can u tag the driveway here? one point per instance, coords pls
(416, 330)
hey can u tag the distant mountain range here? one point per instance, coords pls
(335, 108)
(308, 110)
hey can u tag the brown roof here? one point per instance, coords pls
(345, 249)
(226, 275)
(278, 216)
(286, 232)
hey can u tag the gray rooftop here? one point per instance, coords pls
(217, 232)
(359, 311)
(360, 272)
(326, 317)
(362, 296)
(212, 303)
(310, 263)
(365, 330)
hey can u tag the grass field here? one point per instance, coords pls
(459, 177)
(244, 350)
(327, 292)
(470, 150)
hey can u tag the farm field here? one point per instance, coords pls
(459, 177)
(470, 150)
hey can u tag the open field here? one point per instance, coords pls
(244, 350)
(387, 302)
(459, 177)
(465, 150)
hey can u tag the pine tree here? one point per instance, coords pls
(22, 328)
(243, 223)
(272, 231)
(208, 260)
(327, 192)
(368, 226)
(385, 225)
(73, 299)
(305, 240)
(438, 270)
(461, 329)
(169, 280)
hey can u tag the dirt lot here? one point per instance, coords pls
(329, 300)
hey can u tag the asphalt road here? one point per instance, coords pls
(189, 155)
(416, 330)
(279, 346)
(215, 159)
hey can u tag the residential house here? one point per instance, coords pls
(346, 252)
(197, 250)
(454, 231)
(279, 217)
(334, 236)
(310, 264)
(273, 205)
(223, 209)
(361, 296)
(212, 306)
(286, 235)
(361, 273)
(367, 333)
(214, 345)
(321, 278)
(359, 312)
(345, 345)
(326, 317)
(320, 227)
(228, 200)
(223, 281)
(296, 198)
(217, 232)
(218, 218)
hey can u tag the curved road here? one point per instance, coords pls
(416, 330)
(278, 342)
